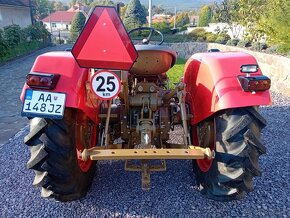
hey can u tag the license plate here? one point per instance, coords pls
(43, 104)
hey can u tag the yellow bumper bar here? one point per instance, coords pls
(144, 154)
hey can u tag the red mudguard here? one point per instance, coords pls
(212, 84)
(72, 80)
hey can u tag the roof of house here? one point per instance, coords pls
(22, 3)
(60, 16)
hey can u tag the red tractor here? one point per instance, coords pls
(108, 99)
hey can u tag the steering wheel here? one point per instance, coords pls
(148, 39)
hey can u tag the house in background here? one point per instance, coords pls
(15, 12)
(59, 20)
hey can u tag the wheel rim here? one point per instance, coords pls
(204, 133)
(86, 134)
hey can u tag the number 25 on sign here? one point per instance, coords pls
(105, 84)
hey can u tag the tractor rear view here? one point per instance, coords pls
(108, 99)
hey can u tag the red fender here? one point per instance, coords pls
(72, 80)
(212, 84)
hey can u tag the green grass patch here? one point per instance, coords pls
(176, 72)
(21, 49)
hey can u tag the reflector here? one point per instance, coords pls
(104, 42)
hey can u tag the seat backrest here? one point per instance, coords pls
(153, 59)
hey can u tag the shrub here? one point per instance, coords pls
(273, 49)
(163, 27)
(211, 37)
(12, 35)
(200, 39)
(258, 46)
(222, 38)
(244, 43)
(198, 33)
(3, 45)
(233, 42)
(38, 32)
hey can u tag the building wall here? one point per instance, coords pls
(14, 15)
(57, 26)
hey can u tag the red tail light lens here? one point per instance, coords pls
(42, 81)
(255, 83)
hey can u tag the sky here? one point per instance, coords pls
(170, 4)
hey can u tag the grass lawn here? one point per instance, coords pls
(176, 72)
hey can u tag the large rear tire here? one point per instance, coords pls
(235, 136)
(55, 146)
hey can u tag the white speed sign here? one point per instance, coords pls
(106, 84)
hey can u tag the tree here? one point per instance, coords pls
(84, 2)
(102, 2)
(135, 15)
(59, 6)
(182, 19)
(205, 15)
(275, 22)
(77, 25)
(157, 9)
(249, 18)
(228, 12)
(43, 8)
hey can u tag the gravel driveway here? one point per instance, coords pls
(117, 193)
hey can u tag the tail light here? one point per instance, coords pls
(42, 81)
(254, 83)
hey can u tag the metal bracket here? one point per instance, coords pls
(145, 168)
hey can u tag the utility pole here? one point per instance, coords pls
(174, 18)
(49, 20)
(150, 13)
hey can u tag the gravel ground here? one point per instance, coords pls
(117, 193)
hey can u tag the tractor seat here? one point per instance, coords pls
(153, 59)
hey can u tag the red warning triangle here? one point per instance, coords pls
(104, 42)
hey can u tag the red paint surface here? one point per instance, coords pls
(72, 80)
(104, 42)
(212, 84)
